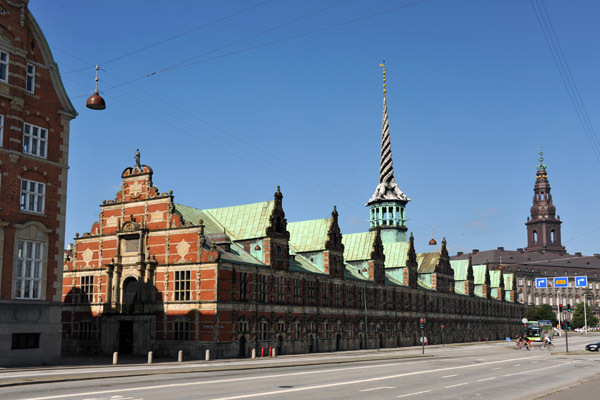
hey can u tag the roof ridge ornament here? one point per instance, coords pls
(541, 166)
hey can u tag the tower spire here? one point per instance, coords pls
(543, 228)
(387, 205)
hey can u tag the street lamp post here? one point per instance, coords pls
(585, 311)
(366, 327)
(558, 312)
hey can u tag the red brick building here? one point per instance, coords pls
(156, 275)
(35, 114)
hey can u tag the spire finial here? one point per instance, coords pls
(541, 165)
(382, 65)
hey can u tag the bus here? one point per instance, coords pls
(546, 329)
(533, 331)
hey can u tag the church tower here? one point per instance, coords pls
(388, 203)
(543, 228)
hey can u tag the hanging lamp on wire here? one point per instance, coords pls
(432, 242)
(95, 101)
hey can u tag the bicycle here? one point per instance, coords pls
(547, 346)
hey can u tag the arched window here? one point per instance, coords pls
(552, 236)
(535, 238)
(279, 254)
(278, 225)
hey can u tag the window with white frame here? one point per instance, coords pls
(182, 285)
(30, 78)
(32, 196)
(28, 273)
(35, 140)
(3, 66)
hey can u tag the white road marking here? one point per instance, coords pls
(448, 376)
(378, 388)
(494, 369)
(486, 379)
(517, 365)
(412, 394)
(540, 369)
(458, 384)
(291, 390)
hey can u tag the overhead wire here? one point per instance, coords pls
(566, 76)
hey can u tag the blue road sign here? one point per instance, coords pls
(561, 282)
(541, 283)
(581, 281)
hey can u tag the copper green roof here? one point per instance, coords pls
(427, 262)
(358, 246)
(301, 264)
(460, 268)
(479, 274)
(396, 254)
(309, 235)
(248, 221)
(459, 287)
(508, 280)
(495, 276)
(194, 215)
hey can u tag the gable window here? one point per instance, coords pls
(3, 66)
(28, 274)
(32, 196)
(182, 286)
(30, 78)
(35, 140)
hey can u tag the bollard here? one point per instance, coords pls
(207, 355)
(149, 357)
(262, 351)
(486, 340)
(269, 351)
(180, 356)
(480, 338)
(253, 353)
(115, 358)
(274, 354)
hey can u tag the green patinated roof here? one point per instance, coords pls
(194, 215)
(396, 274)
(478, 291)
(424, 281)
(427, 262)
(309, 235)
(459, 287)
(249, 221)
(495, 276)
(358, 246)
(460, 268)
(479, 274)
(301, 264)
(508, 281)
(351, 272)
(237, 253)
(395, 254)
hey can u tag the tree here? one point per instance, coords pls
(541, 313)
(579, 318)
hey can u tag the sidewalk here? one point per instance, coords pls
(83, 368)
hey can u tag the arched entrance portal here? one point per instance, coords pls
(338, 342)
(130, 294)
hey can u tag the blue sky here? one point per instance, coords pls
(226, 107)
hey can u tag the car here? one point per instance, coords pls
(593, 347)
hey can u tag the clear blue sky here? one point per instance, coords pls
(259, 101)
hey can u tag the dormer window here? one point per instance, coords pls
(3, 66)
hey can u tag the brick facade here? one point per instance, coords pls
(34, 142)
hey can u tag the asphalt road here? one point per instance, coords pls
(491, 370)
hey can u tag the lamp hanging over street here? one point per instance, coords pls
(432, 242)
(95, 101)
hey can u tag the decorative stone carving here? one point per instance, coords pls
(87, 256)
(183, 249)
(135, 190)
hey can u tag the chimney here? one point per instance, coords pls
(460, 253)
(577, 254)
(475, 251)
(501, 248)
(520, 250)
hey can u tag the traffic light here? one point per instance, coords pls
(560, 308)
(422, 321)
(568, 308)
(442, 326)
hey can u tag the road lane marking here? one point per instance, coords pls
(253, 378)
(458, 384)
(449, 376)
(486, 379)
(378, 388)
(517, 365)
(415, 393)
(540, 369)
(494, 369)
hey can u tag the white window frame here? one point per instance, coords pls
(33, 196)
(35, 140)
(28, 270)
(4, 61)
(30, 78)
